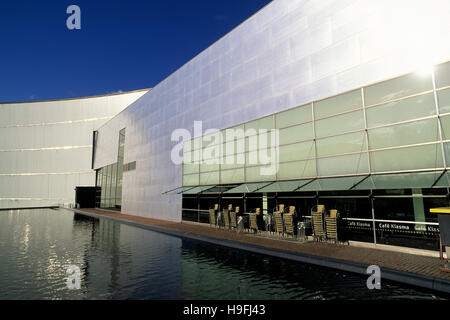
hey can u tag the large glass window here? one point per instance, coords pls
(296, 170)
(232, 176)
(294, 116)
(396, 212)
(442, 75)
(352, 210)
(297, 151)
(338, 104)
(346, 143)
(350, 164)
(111, 179)
(444, 100)
(402, 110)
(404, 134)
(394, 208)
(352, 121)
(295, 134)
(410, 158)
(397, 88)
(393, 122)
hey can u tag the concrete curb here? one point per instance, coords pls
(409, 278)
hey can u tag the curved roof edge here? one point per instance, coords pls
(77, 98)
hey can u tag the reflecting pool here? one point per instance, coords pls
(118, 261)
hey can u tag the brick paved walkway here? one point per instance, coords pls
(405, 262)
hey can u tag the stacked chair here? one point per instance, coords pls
(331, 225)
(288, 220)
(318, 224)
(253, 216)
(226, 216)
(212, 215)
(325, 225)
(233, 218)
(278, 217)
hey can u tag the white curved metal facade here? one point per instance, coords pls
(46, 147)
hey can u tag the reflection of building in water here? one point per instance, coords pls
(103, 259)
(245, 275)
(121, 261)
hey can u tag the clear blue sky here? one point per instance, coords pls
(122, 45)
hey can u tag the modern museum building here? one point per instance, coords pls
(344, 103)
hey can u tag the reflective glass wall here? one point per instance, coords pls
(396, 126)
(110, 178)
(378, 154)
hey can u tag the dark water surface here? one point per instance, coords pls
(123, 262)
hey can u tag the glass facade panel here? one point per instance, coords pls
(235, 162)
(337, 104)
(335, 184)
(235, 146)
(352, 208)
(232, 176)
(294, 116)
(404, 134)
(444, 180)
(191, 180)
(442, 75)
(248, 187)
(264, 123)
(445, 124)
(112, 178)
(346, 143)
(296, 170)
(349, 164)
(397, 88)
(365, 184)
(352, 121)
(197, 143)
(197, 190)
(284, 186)
(402, 110)
(295, 134)
(188, 146)
(211, 139)
(411, 158)
(189, 168)
(444, 100)
(447, 153)
(205, 167)
(406, 180)
(297, 151)
(259, 173)
(260, 141)
(113, 184)
(394, 209)
(209, 178)
(261, 157)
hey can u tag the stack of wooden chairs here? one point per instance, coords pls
(331, 225)
(324, 224)
(318, 225)
(288, 220)
(278, 218)
(233, 218)
(253, 218)
(213, 215)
